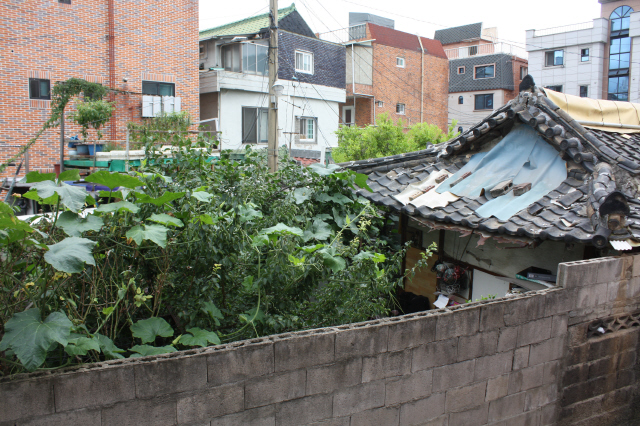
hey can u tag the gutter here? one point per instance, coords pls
(602, 124)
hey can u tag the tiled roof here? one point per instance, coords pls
(250, 25)
(402, 40)
(458, 34)
(597, 202)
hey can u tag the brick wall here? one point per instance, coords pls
(57, 41)
(517, 361)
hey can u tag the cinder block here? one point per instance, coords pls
(361, 341)
(304, 351)
(305, 410)
(262, 416)
(157, 412)
(546, 351)
(210, 403)
(559, 325)
(617, 290)
(358, 398)
(507, 339)
(540, 396)
(478, 345)
(411, 333)
(453, 375)
(524, 419)
(173, 375)
(602, 367)
(577, 274)
(100, 386)
(522, 310)
(421, 411)
(527, 378)
(327, 378)
(378, 416)
(610, 269)
(497, 387)
(551, 372)
(26, 398)
(494, 365)
(458, 323)
(274, 388)
(549, 415)
(89, 416)
(560, 301)
(575, 374)
(233, 365)
(387, 364)
(633, 288)
(492, 316)
(509, 406)
(406, 388)
(434, 354)
(534, 331)
(591, 296)
(521, 358)
(459, 399)
(472, 416)
(340, 421)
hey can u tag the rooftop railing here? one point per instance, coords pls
(485, 49)
(563, 29)
(343, 35)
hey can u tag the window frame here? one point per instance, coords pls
(586, 87)
(552, 52)
(460, 100)
(485, 96)
(475, 71)
(303, 53)
(304, 121)
(461, 70)
(400, 62)
(583, 56)
(524, 71)
(259, 111)
(39, 97)
(555, 87)
(401, 109)
(158, 83)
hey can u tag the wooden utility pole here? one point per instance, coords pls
(272, 146)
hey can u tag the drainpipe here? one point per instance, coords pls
(421, 80)
(112, 58)
(353, 82)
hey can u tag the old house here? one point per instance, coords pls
(534, 184)
(484, 73)
(234, 83)
(140, 48)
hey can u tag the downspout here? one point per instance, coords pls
(353, 82)
(421, 80)
(112, 57)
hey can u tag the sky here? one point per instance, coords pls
(511, 17)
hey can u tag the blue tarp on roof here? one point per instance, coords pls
(523, 156)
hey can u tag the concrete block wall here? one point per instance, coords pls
(517, 361)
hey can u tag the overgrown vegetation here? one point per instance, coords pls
(387, 138)
(188, 253)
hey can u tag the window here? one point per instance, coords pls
(399, 108)
(231, 57)
(202, 50)
(460, 70)
(485, 71)
(557, 88)
(157, 88)
(307, 129)
(554, 58)
(304, 62)
(400, 62)
(523, 72)
(255, 125)
(460, 100)
(620, 21)
(619, 53)
(618, 88)
(380, 104)
(39, 88)
(473, 50)
(250, 58)
(584, 55)
(484, 101)
(584, 91)
(64, 1)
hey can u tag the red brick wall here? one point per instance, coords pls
(517, 63)
(60, 41)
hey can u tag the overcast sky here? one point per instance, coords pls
(512, 17)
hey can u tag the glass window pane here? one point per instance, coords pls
(298, 60)
(613, 84)
(479, 104)
(44, 88)
(249, 130)
(615, 24)
(615, 46)
(624, 60)
(622, 97)
(558, 57)
(165, 89)
(625, 45)
(614, 62)
(490, 70)
(309, 129)
(489, 102)
(623, 84)
(625, 23)
(245, 58)
(263, 126)
(34, 88)
(549, 59)
(262, 60)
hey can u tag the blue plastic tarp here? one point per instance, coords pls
(522, 156)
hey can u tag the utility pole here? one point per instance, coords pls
(272, 146)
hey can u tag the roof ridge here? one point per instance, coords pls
(281, 14)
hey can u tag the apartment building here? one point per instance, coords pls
(484, 73)
(591, 59)
(141, 48)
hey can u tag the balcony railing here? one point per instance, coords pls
(343, 35)
(563, 29)
(485, 49)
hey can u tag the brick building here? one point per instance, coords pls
(131, 46)
(393, 72)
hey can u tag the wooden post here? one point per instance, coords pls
(272, 146)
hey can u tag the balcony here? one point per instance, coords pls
(485, 49)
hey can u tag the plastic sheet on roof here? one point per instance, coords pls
(430, 199)
(523, 156)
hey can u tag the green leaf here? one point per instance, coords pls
(282, 229)
(8, 220)
(213, 311)
(302, 194)
(82, 345)
(110, 350)
(75, 225)
(323, 170)
(114, 180)
(361, 181)
(203, 196)
(33, 177)
(70, 254)
(117, 207)
(163, 199)
(247, 213)
(331, 261)
(319, 230)
(206, 219)
(72, 174)
(296, 261)
(165, 219)
(107, 311)
(72, 197)
(311, 249)
(248, 284)
(147, 330)
(375, 257)
(199, 337)
(146, 350)
(111, 194)
(155, 233)
(31, 338)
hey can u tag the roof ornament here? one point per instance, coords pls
(527, 84)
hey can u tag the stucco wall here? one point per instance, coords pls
(503, 362)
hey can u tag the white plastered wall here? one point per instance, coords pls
(466, 113)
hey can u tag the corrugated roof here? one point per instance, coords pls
(245, 26)
(402, 40)
(458, 34)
